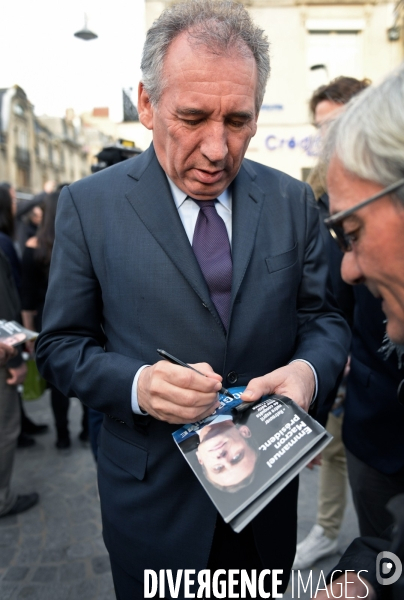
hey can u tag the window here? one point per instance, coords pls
(23, 138)
(22, 178)
(43, 151)
(333, 52)
(18, 109)
(56, 157)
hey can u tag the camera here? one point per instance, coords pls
(111, 155)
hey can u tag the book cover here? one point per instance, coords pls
(13, 334)
(243, 458)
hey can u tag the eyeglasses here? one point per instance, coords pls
(334, 223)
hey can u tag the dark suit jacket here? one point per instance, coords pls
(373, 421)
(124, 281)
(372, 427)
(362, 555)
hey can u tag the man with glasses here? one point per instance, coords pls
(364, 152)
(371, 236)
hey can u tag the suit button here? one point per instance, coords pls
(232, 377)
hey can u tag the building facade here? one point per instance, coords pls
(35, 149)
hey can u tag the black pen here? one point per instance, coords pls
(177, 361)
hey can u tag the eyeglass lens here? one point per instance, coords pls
(339, 235)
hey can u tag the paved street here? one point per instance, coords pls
(55, 550)
(307, 515)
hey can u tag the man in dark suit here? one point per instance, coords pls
(125, 280)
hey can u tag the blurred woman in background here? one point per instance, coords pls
(7, 213)
(8, 207)
(35, 274)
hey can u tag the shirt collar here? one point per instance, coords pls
(180, 197)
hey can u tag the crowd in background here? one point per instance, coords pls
(27, 232)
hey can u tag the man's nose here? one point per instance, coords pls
(350, 269)
(214, 144)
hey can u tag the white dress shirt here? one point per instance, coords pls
(188, 211)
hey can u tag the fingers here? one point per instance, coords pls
(207, 370)
(9, 350)
(6, 353)
(296, 381)
(188, 379)
(176, 412)
(166, 410)
(17, 375)
(177, 394)
(316, 461)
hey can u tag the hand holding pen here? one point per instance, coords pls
(178, 395)
(177, 361)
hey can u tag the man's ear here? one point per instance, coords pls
(255, 125)
(200, 461)
(245, 431)
(144, 108)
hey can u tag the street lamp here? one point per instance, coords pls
(393, 33)
(318, 76)
(85, 33)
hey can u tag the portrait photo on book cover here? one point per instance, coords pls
(225, 451)
(225, 454)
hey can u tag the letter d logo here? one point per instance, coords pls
(388, 568)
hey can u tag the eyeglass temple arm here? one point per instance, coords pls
(329, 221)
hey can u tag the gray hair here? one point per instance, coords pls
(220, 25)
(368, 137)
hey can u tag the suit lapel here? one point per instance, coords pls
(246, 208)
(150, 197)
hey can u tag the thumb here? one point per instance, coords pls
(258, 387)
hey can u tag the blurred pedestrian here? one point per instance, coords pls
(8, 204)
(32, 222)
(7, 213)
(35, 273)
(12, 373)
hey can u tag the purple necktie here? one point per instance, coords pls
(212, 249)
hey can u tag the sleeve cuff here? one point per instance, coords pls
(135, 405)
(315, 377)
